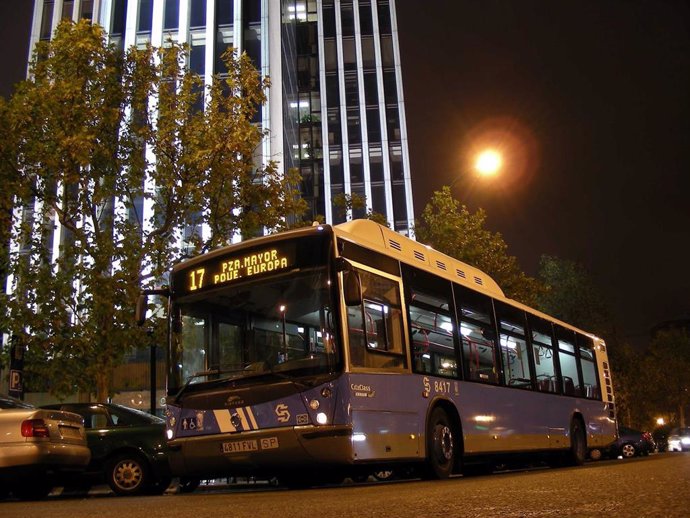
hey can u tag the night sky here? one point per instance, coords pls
(589, 101)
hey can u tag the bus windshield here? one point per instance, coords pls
(279, 325)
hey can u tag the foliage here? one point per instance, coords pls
(346, 204)
(570, 294)
(667, 373)
(80, 137)
(449, 227)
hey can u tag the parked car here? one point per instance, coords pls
(38, 447)
(631, 443)
(128, 447)
(660, 435)
(679, 439)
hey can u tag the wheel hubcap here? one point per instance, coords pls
(444, 443)
(127, 475)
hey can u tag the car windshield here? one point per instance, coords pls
(282, 326)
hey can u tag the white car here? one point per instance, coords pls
(679, 439)
(38, 448)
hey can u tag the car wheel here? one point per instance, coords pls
(189, 485)
(440, 445)
(628, 450)
(128, 474)
(384, 475)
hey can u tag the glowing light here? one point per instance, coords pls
(359, 437)
(321, 418)
(488, 162)
(484, 418)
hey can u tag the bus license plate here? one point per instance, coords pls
(240, 446)
(268, 443)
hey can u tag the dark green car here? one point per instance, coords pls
(128, 447)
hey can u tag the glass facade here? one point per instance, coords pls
(335, 110)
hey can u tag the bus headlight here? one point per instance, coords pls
(321, 418)
(169, 433)
(314, 404)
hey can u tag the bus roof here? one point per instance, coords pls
(386, 241)
(391, 243)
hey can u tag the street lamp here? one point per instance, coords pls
(488, 163)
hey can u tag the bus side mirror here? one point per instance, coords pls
(352, 288)
(142, 307)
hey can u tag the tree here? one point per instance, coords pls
(94, 137)
(345, 204)
(666, 368)
(449, 227)
(570, 294)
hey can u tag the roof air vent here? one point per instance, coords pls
(395, 245)
(460, 273)
(419, 255)
(479, 280)
(441, 265)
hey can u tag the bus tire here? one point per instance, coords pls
(441, 445)
(578, 443)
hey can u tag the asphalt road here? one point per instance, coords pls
(655, 486)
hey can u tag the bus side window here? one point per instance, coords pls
(478, 336)
(568, 361)
(376, 327)
(588, 363)
(542, 352)
(514, 351)
(431, 329)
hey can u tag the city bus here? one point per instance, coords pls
(345, 350)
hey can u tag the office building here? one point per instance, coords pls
(335, 109)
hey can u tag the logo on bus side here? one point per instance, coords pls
(362, 390)
(283, 413)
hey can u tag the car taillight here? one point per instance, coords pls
(35, 428)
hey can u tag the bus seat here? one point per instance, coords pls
(568, 386)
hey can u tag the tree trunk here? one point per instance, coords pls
(102, 387)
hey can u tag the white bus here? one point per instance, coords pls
(341, 350)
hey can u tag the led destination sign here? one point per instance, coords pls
(224, 270)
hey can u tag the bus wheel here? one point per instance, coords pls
(578, 443)
(440, 445)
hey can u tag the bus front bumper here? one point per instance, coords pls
(261, 452)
